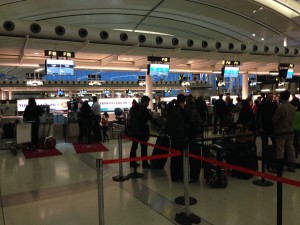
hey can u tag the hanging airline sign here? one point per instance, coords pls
(158, 59)
(54, 53)
(230, 63)
(286, 65)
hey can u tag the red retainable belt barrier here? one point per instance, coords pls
(248, 171)
(175, 152)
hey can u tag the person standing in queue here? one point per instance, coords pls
(283, 121)
(177, 129)
(32, 115)
(142, 116)
(96, 119)
(219, 109)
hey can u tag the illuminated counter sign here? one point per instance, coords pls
(55, 104)
(109, 105)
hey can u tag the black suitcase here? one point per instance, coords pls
(244, 155)
(215, 176)
(162, 140)
(9, 130)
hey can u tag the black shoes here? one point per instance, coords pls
(146, 166)
(291, 169)
(134, 164)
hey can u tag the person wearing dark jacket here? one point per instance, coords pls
(202, 108)
(142, 116)
(246, 116)
(219, 109)
(266, 112)
(177, 129)
(32, 115)
(85, 121)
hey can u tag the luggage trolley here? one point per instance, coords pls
(22, 136)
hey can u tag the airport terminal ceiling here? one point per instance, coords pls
(120, 34)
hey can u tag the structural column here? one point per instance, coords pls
(149, 88)
(10, 94)
(245, 86)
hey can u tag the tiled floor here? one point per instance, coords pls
(62, 190)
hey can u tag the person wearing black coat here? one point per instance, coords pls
(219, 109)
(142, 115)
(32, 115)
(246, 116)
(85, 122)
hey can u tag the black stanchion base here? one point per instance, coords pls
(182, 218)
(120, 178)
(263, 183)
(180, 200)
(135, 175)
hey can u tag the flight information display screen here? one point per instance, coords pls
(59, 67)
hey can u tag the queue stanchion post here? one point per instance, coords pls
(186, 218)
(99, 166)
(263, 182)
(120, 177)
(279, 191)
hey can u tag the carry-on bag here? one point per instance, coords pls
(244, 155)
(49, 141)
(162, 140)
(215, 176)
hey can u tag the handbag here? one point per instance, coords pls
(245, 135)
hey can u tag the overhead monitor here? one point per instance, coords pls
(230, 71)
(289, 74)
(60, 92)
(160, 70)
(59, 67)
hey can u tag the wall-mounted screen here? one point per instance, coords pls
(231, 71)
(159, 70)
(289, 74)
(60, 92)
(59, 67)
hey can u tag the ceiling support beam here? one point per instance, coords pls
(22, 51)
(108, 60)
(85, 44)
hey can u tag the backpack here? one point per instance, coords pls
(195, 122)
(175, 124)
(131, 126)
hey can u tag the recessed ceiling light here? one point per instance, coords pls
(260, 8)
(254, 11)
(253, 35)
(262, 39)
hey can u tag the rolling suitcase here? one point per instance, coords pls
(215, 176)
(49, 141)
(244, 155)
(162, 140)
